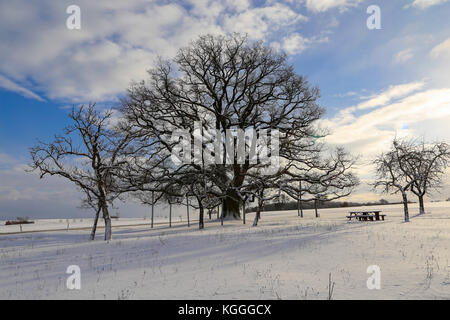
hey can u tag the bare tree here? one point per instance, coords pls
(87, 154)
(228, 84)
(200, 189)
(89, 203)
(262, 196)
(391, 176)
(424, 164)
(324, 179)
(260, 188)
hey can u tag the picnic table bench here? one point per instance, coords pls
(366, 215)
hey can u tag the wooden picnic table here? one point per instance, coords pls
(366, 215)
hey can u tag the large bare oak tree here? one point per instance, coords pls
(229, 84)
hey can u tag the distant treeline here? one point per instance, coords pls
(282, 206)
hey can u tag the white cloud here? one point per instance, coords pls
(20, 185)
(258, 22)
(347, 94)
(296, 43)
(118, 41)
(367, 135)
(7, 84)
(393, 92)
(423, 4)
(441, 50)
(6, 160)
(403, 56)
(371, 132)
(346, 115)
(324, 5)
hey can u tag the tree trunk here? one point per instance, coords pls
(405, 206)
(421, 205)
(300, 208)
(107, 219)
(104, 205)
(170, 215)
(243, 211)
(299, 202)
(187, 211)
(231, 206)
(315, 208)
(255, 221)
(258, 213)
(94, 226)
(257, 217)
(153, 206)
(201, 225)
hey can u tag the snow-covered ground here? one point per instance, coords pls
(79, 223)
(285, 257)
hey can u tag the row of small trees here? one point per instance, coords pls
(223, 83)
(412, 165)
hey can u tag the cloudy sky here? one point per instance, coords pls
(375, 84)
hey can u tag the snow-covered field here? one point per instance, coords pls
(79, 223)
(285, 257)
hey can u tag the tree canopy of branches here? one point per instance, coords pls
(390, 177)
(418, 166)
(412, 166)
(231, 85)
(88, 153)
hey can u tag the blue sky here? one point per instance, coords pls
(375, 84)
